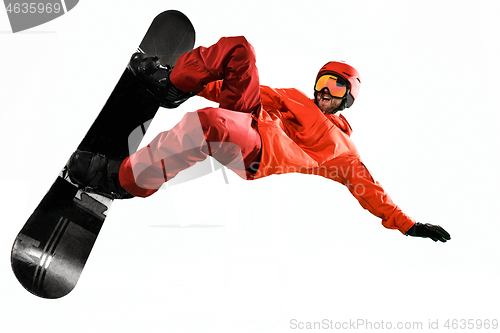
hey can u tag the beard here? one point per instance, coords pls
(327, 104)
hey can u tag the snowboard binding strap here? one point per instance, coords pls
(155, 78)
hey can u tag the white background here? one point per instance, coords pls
(205, 256)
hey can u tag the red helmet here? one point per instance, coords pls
(348, 73)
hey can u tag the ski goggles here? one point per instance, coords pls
(336, 85)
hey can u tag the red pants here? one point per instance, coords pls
(227, 133)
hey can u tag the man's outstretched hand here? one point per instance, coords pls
(434, 232)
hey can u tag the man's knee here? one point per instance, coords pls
(242, 47)
(213, 124)
(241, 41)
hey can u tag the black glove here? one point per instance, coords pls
(434, 232)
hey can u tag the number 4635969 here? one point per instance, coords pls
(33, 8)
(471, 324)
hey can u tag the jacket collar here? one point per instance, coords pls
(341, 123)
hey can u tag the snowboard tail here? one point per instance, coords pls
(50, 251)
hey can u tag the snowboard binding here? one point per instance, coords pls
(155, 78)
(96, 173)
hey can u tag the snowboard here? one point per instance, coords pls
(51, 250)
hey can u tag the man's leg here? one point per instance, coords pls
(231, 59)
(229, 136)
(226, 135)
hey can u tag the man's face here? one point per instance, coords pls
(326, 103)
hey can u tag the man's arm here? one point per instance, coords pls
(350, 171)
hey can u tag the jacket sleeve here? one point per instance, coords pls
(351, 172)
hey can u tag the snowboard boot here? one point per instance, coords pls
(155, 78)
(95, 173)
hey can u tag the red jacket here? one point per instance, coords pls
(298, 137)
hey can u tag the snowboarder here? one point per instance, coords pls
(256, 131)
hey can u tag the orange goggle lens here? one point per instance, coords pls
(331, 82)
